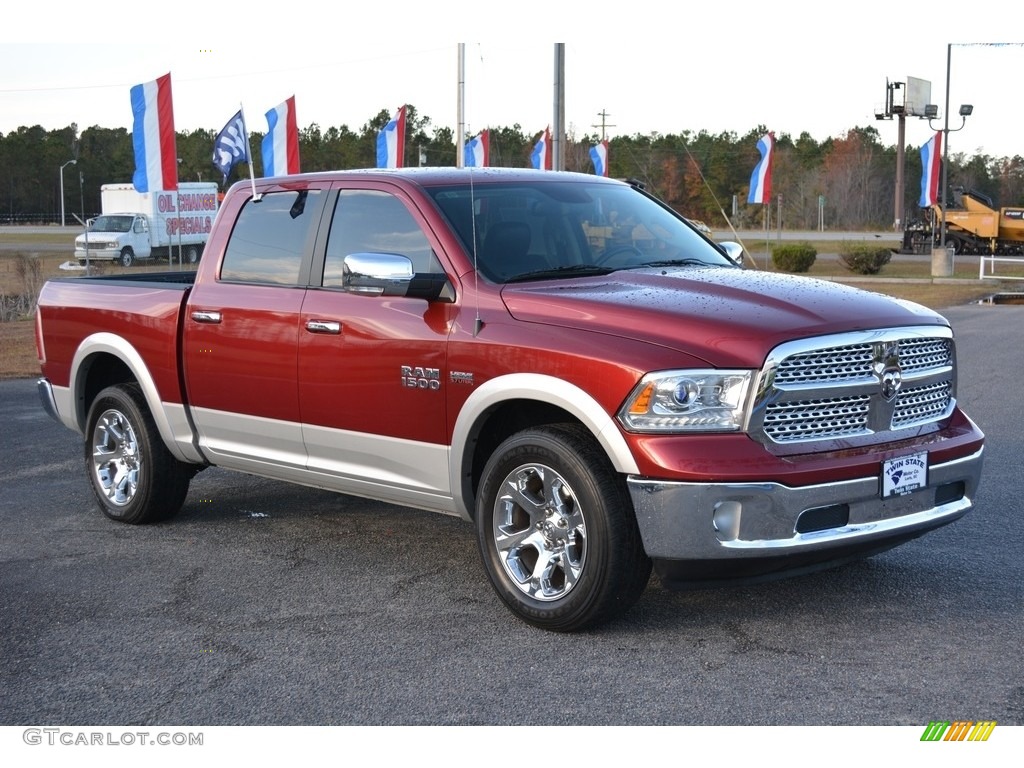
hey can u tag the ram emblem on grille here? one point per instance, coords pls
(891, 374)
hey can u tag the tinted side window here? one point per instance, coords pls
(370, 221)
(269, 238)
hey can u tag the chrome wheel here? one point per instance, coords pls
(556, 529)
(134, 477)
(115, 457)
(540, 532)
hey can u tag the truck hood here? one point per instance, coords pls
(726, 317)
(99, 236)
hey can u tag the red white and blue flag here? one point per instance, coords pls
(931, 164)
(156, 154)
(280, 146)
(391, 142)
(478, 150)
(599, 155)
(761, 178)
(540, 158)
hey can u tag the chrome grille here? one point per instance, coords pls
(835, 364)
(858, 386)
(921, 405)
(922, 354)
(816, 419)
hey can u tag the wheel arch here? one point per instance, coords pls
(105, 359)
(509, 404)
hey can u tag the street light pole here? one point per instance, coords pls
(965, 112)
(930, 110)
(69, 162)
(945, 146)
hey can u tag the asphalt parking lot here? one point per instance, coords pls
(269, 604)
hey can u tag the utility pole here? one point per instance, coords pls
(604, 125)
(460, 131)
(558, 126)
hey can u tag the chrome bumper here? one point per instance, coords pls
(740, 522)
(45, 391)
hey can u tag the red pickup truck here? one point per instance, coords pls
(557, 358)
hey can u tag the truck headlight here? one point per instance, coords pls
(688, 401)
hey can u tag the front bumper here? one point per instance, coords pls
(717, 532)
(104, 252)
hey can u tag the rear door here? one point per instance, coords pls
(241, 335)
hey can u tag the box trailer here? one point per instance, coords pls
(136, 226)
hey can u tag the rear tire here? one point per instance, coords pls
(191, 254)
(557, 531)
(135, 478)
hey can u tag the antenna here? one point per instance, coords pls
(478, 322)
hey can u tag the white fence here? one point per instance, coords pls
(992, 261)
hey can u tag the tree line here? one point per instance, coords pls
(704, 176)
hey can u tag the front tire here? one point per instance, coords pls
(127, 257)
(134, 477)
(557, 532)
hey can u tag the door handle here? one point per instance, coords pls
(332, 327)
(205, 316)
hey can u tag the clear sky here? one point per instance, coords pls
(649, 66)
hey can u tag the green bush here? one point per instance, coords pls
(794, 257)
(864, 259)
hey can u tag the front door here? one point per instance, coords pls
(372, 368)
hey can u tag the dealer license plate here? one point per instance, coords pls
(904, 474)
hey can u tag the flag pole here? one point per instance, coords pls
(177, 214)
(248, 149)
(765, 213)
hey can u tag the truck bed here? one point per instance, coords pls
(90, 315)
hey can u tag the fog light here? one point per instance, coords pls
(950, 492)
(823, 518)
(726, 520)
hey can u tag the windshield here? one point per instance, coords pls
(543, 229)
(112, 224)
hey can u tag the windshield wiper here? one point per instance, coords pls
(576, 270)
(674, 263)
